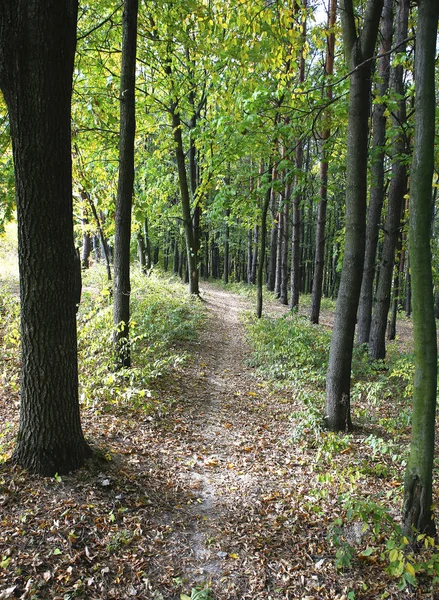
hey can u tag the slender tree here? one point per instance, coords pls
(417, 510)
(122, 287)
(397, 191)
(359, 47)
(319, 257)
(297, 193)
(37, 48)
(379, 121)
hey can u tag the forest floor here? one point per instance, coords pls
(207, 498)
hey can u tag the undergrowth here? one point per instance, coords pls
(163, 318)
(367, 465)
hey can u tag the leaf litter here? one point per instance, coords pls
(211, 494)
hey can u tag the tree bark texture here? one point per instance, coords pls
(417, 509)
(358, 48)
(37, 46)
(397, 191)
(125, 188)
(379, 121)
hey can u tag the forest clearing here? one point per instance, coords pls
(213, 476)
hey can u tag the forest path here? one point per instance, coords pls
(231, 452)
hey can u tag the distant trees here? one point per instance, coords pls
(37, 47)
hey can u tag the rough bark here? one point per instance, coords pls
(122, 286)
(417, 510)
(379, 121)
(397, 191)
(37, 46)
(358, 48)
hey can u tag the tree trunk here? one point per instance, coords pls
(295, 230)
(36, 66)
(391, 327)
(249, 256)
(397, 191)
(226, 249)
(260, 276)
(358, 48)
(86, 240)
(141, 252)
(417, 509)
(379, 121)
(271, 279)
(255, 254)
(125, 187)
(285, 244)
(86, 195)
(319, 257)
(280, 237)
(147, 244)
(191, 246)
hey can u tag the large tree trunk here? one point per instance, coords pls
(122, 286)
(37, 46)
(397, 191)
(417, 510)
(358, 48)
(379, 121)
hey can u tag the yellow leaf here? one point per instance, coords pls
(235, 556)
(393, 555)
(410, 569)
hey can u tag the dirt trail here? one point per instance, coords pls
(235, 442)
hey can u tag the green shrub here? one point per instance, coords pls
(289, 348)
